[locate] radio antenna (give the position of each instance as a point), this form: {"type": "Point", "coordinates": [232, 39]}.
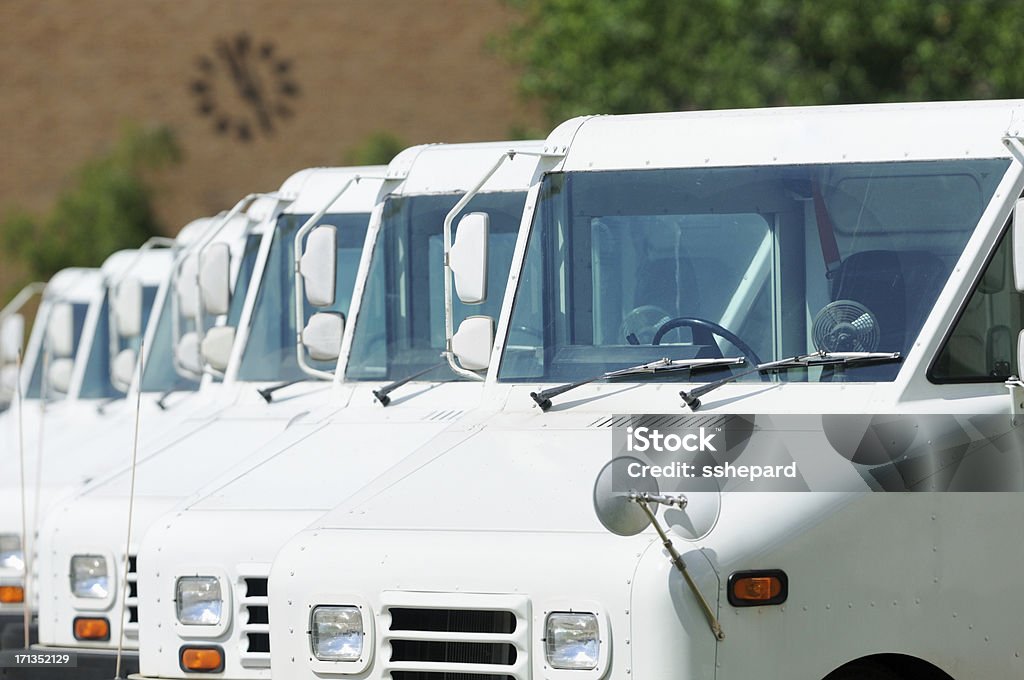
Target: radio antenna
{"type": "Point", "coordinates": [25, 601]}
{"type": "Point", "coordinates": [131, 508]}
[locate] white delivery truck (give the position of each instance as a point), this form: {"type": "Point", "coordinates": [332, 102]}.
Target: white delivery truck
{"type": "Point", "coordinates": [203, 567]}
{"type": "Point", "coordinates": [90, 381]}
{"type": "Point", "coordinates": [72, 289]}
{"type": "Point", "coordinates": [87, 533]}
{"type": "Point", "coordinates": [837, 283]}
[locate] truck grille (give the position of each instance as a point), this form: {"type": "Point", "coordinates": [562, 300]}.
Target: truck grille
{"type": "Point", "coordinates": [254, 644]}
{"type": "Point", "coordinates": [131, 616]}
{"type": "Point", "coordinates": [467, 637]}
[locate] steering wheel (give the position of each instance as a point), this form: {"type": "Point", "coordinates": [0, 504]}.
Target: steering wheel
{"type": "Point", "coordinates": [707, 328]}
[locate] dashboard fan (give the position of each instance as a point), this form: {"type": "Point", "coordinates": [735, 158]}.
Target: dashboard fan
{"type": "Point", "coordinates": [846, 326]}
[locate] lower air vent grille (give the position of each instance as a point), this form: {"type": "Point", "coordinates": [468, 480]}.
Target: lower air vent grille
{"type": "Point", "coordinates": [255, 620]}
{"type": "Point", "coordinates": [432, 636]}
{"type": "Point", "coordinates": [131, 621]}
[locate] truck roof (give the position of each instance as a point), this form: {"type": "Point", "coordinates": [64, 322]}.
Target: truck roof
{"type": "Point", "coordinates": [150, 267]}
{"type": "Point", "coordinates": [74, 284]}
{"type": "Point", "coordinates": [790, 135]}
{"type": "Point", "coordinates": [449, 168]}
{"type": "Point", "coordinates": [311, 187]}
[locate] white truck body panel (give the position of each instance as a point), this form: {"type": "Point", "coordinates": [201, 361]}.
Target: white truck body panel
{"type": "Point", "coordinates": [496, 512]}
{"type": "Point", "coordinates": [314, 463]}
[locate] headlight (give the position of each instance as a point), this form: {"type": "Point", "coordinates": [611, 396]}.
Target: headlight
{"type": "Point", "coordinates": [572, 641]}
{"type": "Point", "coordinates": [199, 600]}
{"type": "Point", "coordinates": [89, 577]}
{"type": "Point", "coordinates": [11, 556]}
{"type": "Point", "coordinates": [337, 633]}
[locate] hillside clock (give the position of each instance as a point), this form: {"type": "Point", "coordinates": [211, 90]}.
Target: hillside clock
{"type": "Point", "coordinates": [244, 88]}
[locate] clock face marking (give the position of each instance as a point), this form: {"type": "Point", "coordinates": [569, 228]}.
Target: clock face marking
{"type": "Point", "coordinates": [244, 88]}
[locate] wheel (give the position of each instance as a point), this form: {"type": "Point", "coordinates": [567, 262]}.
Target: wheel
{"type": "Point", "coordinates": [709, 327]}
{"type": "Point", "coordinates": [864, 670]}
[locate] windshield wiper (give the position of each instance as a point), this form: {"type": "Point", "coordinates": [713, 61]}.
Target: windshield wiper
{"type": "Point", "coordinates": [666, 365]}
{"type": "Point", "coordinates": [178, 386]}
{"type": "Point", "coordinates": [382, 393]}
{"type": "Point", "coordinates": [101, 408]}
{"type": "Point", "coordinates": [820, 358]}
{"type": "Point", "coordinates": [268, 392]}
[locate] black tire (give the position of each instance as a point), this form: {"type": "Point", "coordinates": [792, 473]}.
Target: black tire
{"type": "Point", "coordinates": [864, 670]}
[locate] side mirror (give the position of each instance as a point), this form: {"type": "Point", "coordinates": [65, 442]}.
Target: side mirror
{"type": "Point", "coordinates": [187, 287]}
{"type": "Point", "coordinates": [8, 383]}
{"type": "Point", "coordinates": [1020, 352]}
{"type": "Point", "coordinates": [322, 335]}
{"type": "Point", "coordinates": [122, 369]}
{"type": "Point", "coordinates": [215, 278]}
{"type": "Point", "coordinates": [12, 336]}
{"type": "Point", "coordinates": [473, 342]}
{"type": "Point", "coordinates": [1018, 245]}
{"type": "Point", "coordinates": [319, 266]}
{"type": "Point", "coordinates": [468, 258]}
{"type": "Point", "coordinates": [127, 304]}
{"type": "Point", "coordinates": [60, 331]}
{"type": "Point", "coordinates": [187, 353]}
{"type": "Point", "coordinates": [59, 375]}
{"type": "Point", "coordinates": [216, 347]}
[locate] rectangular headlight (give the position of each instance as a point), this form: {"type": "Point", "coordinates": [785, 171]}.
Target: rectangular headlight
{"type": "Point", "coordinates": [198, 600]}
{"type": "Point", "coordinates": [89, 578]}
{"type": "Point", "coordinates": [337, 633]}
{"type": "Point", "coordinates": [11, 556]}
{"type": "Point", "coordinates": [571, 641]}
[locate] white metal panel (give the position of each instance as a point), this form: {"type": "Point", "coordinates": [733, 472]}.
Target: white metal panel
{"type": "Point", "coordinates": [783, 136]}
{"type": "Point", "coordinates": [448, 168]}
{"type": "Point", "coordinates": [320, 184]}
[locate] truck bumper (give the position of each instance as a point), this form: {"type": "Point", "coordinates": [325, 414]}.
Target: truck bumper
{"type": "Point", "coordinates": [93, 664]}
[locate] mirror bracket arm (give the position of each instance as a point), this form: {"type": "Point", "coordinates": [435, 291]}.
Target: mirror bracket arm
{"type": "Point", "coordinates": [677, 560]}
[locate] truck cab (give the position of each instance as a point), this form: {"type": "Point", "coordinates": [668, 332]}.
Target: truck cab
{"type": "Point", "coordinates": [829, 287]}
{"type": "Point", "coordinates": [94, 612]}
{"type": "Point", "coordinates": [202, 569]}
{"type": "Point", "coordinates": [74, 363]}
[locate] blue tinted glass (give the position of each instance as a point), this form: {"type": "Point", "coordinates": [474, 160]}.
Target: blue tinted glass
{"type": "Point", "coordinates": [96, 382]}
{"type": "Point", "coordinates": [618, 261]}
{"type": "Point", "coordinates": [270, 352]}
{"type": "Point", "coordinates": [400, 329]}
{"type": "Point", "coordinates": [79, 310]}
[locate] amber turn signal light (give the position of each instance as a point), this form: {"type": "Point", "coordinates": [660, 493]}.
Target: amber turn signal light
{"type": "Point", "coordinates": [201, 659]}
{"type": "Point", "coordinates": [758, 588]}
{"type": "Point", "coordinates": [12, 594]}
{"type": "Point", "coordinates": [92, 629]}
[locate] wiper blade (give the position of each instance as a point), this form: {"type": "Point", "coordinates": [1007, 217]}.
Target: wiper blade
{"type": "Point", "coordinates": [382, 393]}
{"type": "Point", "coordinates": [820, 358]}
{"type": "Point", "coordinates": [101, 408]}
{"type": "Point", "coordinates": [268, 392]}
{"type": "Point", "coordinates": [666, 365]}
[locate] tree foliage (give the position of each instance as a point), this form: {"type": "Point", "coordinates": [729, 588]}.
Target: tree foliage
{"type": "Point", "coordinates": [377, 149]}
{"type": "Point", "coordinates": [107, 207]}
{"type": "Point", "coordinates": [628, 56]}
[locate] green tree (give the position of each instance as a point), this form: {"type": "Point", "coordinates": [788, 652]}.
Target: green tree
{"type": "Point", "coordinates": [377, 149]}
{"type": "Point", "coordinates": [628, 56]}
{"type": "Point", "coordinates": [108, 207]}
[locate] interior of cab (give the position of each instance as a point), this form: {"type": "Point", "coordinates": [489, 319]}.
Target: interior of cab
{"type": "Point", "coordinates": [626, 267]}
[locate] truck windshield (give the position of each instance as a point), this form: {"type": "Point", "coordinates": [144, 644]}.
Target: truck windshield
{"type": "Point", "coordinates": [400, 329]}
{"type": "Point", "coordinates": [96, 382]}
{"type": "Point", "coordinates": [782, 260]}
{"type": "Point", "coordinates": [269, 354]}
{"type": "Point", "coordinates": [159, 374]}
{"type": "Point", "coordinates": [79, 310]}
